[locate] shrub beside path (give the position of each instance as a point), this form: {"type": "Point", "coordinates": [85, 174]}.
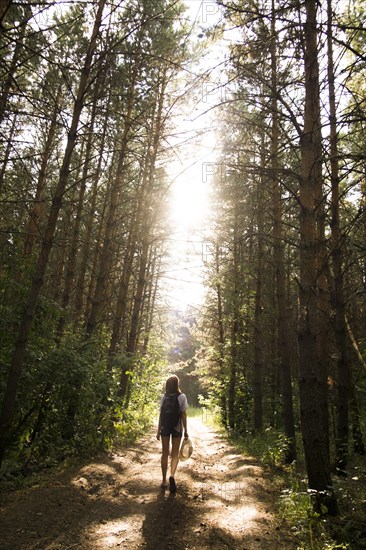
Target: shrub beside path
{"type": "Point", "coordinates": [224, 500]}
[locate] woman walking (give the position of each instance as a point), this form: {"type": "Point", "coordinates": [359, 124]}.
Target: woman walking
{"type": "Point", "coordinates": [172, 424]}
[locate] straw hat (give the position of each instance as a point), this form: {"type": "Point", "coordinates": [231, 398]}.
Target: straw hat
{"type": "Point", "coordinates": [186, 450]}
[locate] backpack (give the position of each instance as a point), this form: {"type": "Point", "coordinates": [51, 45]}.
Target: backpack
{"type": "Point", "coordinates": [170, 411]}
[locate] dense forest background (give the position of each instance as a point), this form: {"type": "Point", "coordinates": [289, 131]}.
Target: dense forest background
{"type": "Point", "coordinates": [89, 96]}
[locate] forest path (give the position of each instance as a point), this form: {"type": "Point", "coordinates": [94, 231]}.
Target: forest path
{"type": "Point", "coordinates": [223, 501]}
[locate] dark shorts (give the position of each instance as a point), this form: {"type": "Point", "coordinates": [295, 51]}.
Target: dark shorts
{"type": "Point", "coordinates": [166, 432]}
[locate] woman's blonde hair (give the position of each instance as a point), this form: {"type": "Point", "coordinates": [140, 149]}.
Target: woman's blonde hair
{"type": "Point", "coordinates": [172, 385]}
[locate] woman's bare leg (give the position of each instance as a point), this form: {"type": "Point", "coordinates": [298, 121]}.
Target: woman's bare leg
{"type": "Point", "coordinates": [175, 451]}
{"type": "Point", "coordinates": [164, 457]}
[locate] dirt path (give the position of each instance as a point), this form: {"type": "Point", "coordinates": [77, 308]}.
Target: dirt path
{"type": "Point", "coordinates": [223, 501]}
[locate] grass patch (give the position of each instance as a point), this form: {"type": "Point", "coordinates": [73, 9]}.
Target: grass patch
{"type": "Point", "coordinates": [194, 412]}
{"type": "Point", "coordinates": [209, 416]}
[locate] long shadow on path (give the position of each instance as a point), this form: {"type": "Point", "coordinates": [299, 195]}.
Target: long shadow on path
{"type": "Point", "coordinates": [116, 502]}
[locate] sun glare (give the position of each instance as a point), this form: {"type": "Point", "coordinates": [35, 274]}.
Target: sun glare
{"type": "Point", "coordinates": [192, 170]}
{"type": "Point", "coordinates": [192, 178]}
{"type": "Point", "coordinates": [190, 203]}
{"type": "Point", "coordinates": [189, 219]}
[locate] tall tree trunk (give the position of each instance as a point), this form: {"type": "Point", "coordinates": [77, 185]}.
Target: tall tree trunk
{"type": "Point", "coordinates": [129, 256]}
{"type": "Point", "coordinates": [221, 340]}
{"type": "Point", "coordinates": [80, 294]}
{"type": "Point", "coordinates": [148, 181]}
{"type": "Point", "coordinates": [258, 332]}
{"type": "Point", "coordinates": [63, 237]}
{"type": "Point", "coordinates": [358, 443]}
{"type": "Point", "coordinates": [279, 259]}
{"type": "Point", "coordinates": [151, 299]}
{"type": "Point", "coordinates": [5, 160]}
{"type": "Point", "coordinates": [8, 407]}
{"type": "Point", "coordinates": [98, 245]}
{"type": "Point", "coordinates": [120, 314]}
{"type": "Point", "coordinates": [313, 394]}
{"type": "Point", "coordinates": [4, 163]}
{"type": "Point", "coordinates": [115, 191]}
{"type": "Point", "coordinates": [138, 298]}
{"type": "Point", "coordinates": [35, 216]}
{"type": "Point", "coordinates": [136, 311]}
{"type": "Point", "coordinates": [71, 264]}
{"type": "Point", "coordinates": [274, 372]}
{"type": "Point", "coordinates": [234, 336]}
{"type": "Point", "coordinates": [7, 85]}
{"type": "Point", "coordinates": [338, 294]}
{"type": "Point", "coordinates": [149, 281]}
{"type": "Point", "coordinates": [68, 426]}
{"type": "Point", "coordinates": [115, 194]}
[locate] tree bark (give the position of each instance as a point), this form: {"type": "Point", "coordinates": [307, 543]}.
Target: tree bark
{"type": "Point", "coordinates": [136, 311]}
{"type": "Point", "coordinates": [258, 332]}
{"type": "Point", "coordinates": [235, 323]}
{"type": "Point", "coordinates": [279, 260]}
{"type": "Point", "coordinates": [340, 327]}
{"type": "Point", "coordinates": [221, 340]}
{"type": "Point", "coordinates": [313, 394]}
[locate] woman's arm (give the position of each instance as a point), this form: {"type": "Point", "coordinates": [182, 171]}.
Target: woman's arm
{"type": "Point", "coordinates": [184, 420]}
{"type": "Point", "coordinates": [158, 432]}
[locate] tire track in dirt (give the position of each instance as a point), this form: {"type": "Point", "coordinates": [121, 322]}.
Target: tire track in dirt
{"type": "Point", "coordinates": [223, 501]}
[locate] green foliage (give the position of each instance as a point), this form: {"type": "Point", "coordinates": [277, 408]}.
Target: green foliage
{"type": "Point", "coordinates": [210, 411]}
{"type": "Point", "coordinates": [243, 406]}
{"type": "Point", "coordinates": [296, 507]}
{"type": "Point", "coordinates": [146, 379]}
{"type": "Point", "coordinates": [70, 406]}
{"type": "Point", "coordinates": [351, 494]}
{"type": "Point", "coordinates": [270, 446]}
{"type": "Point", "coordinates": [313, 530]}
{"type": "Point", "coordinates": [317, 532]}
{"type": "Point", "coordinates": [277, 449]}
{"type": "Point", "coordinates": [67, 398]}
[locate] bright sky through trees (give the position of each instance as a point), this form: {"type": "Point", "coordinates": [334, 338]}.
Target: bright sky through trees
{"type": "Point", "coordinates": [192, 168]}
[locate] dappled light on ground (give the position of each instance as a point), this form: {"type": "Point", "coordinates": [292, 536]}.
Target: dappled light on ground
{"type": "Point", "coordinates": [112, 534]}
{"type": "Point", "coordinates": [223, 501]}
